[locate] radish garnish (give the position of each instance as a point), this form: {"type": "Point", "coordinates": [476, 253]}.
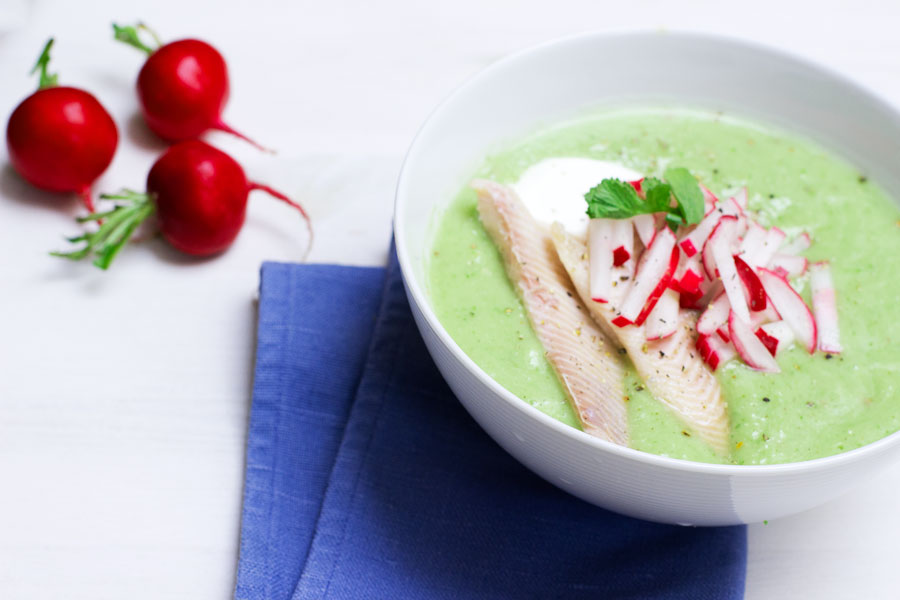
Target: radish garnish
{"type": "Point", "coordinates": [755, 293]}
{"type": "Point", "coordinates": [825, 307]}
{"type": "Point", "coordinates": [600, 242]}
{"type": "Point", "coordinates": [720, 243]}
{"type": "Point", "coordinates": [715, 315]}
{"type": "Point", "coordinates": [645, 226]}
{"type": "Point", "coordinates": [791, 307]}
{"type": "Point", "coordinates": [709, 199]}
{"type": "Point", "coordinates": [741, 198]}
{"type": "Point", "coordinates": [688, 276]}
{"type": "Point", "coordinates": [789, 265]}
{"type": "Point", "coordinates": [723, 334]}
{"type": "Point", "coordinates": [776, 336]}
{"type": "Point", "coordinates": [774, 238]}
{"type": "Point", "coordinates": [622, 241]}
{"type": "Point", "coordinates": [749, 347]}
{"type": "Point", "coordinates": [657, 265]}
{"type": "Point", "coordinates": [751, 244]}
{"type": "Point", "coordinates": [797, 245]}
{"type": "Point", "coordinates": [636, 184]}
{"type": "Point", "coordinates": [715, 351]}
{"type": "Point", "coordinates": [663, 319]}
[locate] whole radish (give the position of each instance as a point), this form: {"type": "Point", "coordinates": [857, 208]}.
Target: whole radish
{"type": "Point", "coordinates": [199, 195]}
{"type": "Point", "coordinates": [60, 139]}
{"type": "Point", "coordinates": [182, 87]}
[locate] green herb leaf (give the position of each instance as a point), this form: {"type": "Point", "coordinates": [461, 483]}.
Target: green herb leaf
{"type": "Point", "coordinates": [687, 194]}
{"type": "Point", "coordinates": [658, 194]}
{"type": "Point", "coordinates": [47, 79]}
{"type": "Point", "coordinates": [614, 199]}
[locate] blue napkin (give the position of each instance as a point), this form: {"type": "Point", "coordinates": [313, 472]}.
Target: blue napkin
{"type": "Point", "coordinates": [367, 479]}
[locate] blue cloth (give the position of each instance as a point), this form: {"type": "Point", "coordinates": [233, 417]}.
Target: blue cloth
{"type": "Point", "coordinates": [367, 479]}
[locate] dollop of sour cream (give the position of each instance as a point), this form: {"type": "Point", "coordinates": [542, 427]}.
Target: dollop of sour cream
{"type": "Point", "coordinates": [554, 188]}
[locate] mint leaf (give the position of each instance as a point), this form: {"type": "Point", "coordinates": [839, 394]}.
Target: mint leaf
{"type": "Point", "coordinates": [614, 199]}
{"type": "Point", "coordinates": [687, 194]}
{"type": "Point", "coordinates": [658, 194]}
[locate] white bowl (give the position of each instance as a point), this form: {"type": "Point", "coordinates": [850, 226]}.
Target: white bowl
{"type": "Point", "coordinates": [553, 81]}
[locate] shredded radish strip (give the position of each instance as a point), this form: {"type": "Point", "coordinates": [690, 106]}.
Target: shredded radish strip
{"type": "Point", "coordinates": [799, 244]}
{"type": "Point", "coordinates": [715, 351]}
{"type": "Point", "coordinates": [825, 307]}
{"type": "Point", "coordinates": [791, 307]}
{"type": "Point", "coordinates": [789, 264]}
{"type": "Point", "coordinates": [600, 234]}
{"type": "Point", "coordinates": [752, 244]}
{"type": "Point", "coordinates": [721, 240]}
{"type": "Point", "coordinates": [651, 274]}
{"type": "Point", "coordinates": [663, 319]}
{"type": "Point", "coordinates": [774, 238]}
{"type": "Point", "coordinates": [645, 226]}
{"type": "Point", "coordinates": [715, 315]}
{"type": "Point", "coordinates": [778, 333]}
{"type": "Point", "coordinates": [749, 347]}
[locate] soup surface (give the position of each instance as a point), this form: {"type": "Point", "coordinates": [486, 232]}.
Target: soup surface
{"type": "Point", "coordinates": [819, 404]}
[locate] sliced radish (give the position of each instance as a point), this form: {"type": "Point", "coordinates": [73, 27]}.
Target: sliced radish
{"type": "Point", "coordinates": [769, 315]}
{"type": "Point", "coordinates": [825, 306]}
{"type": "Point", "coordinates": [774, 238]}
{"type": "Point", "coordinates": [622, 241]}
{"type": "Point", "coordinates": [657, 265]}
{"type": "Point", "coordinates": [714, 351]}
{"type": "Point", "coordinates": [709, 199]}
{"type": "Point", "coordinates": [721, 242]}
{"type": "Point", "coordinates": [645, 226]}
{"type": "Point", "coordinates": [797, 245]}
{"type": "Point", "coordinates": [791, 307]}
{"type": "Point", "coordinates": [663, 319]}
{"type": "Point", "coordinates": [789, 265]}
{"type": "Point", "coordinates": [756, 295]}
{"type": "Point", "coordinates": [723, 334]}
{"type": "Point", "coordinates": [776, 336]}
{"type": "Point", "coordinates": [690, 301]}
{"type": "Point", "coordinates": [749, 347]}
{"type": "Point", "coordinates": [636, 184]}
{"type": "Point", "coordinates": [715, 315]}
{"type": "Point", "coordinates": [751, 244]}
{"type": "Point", "coordinates": [600, 247]}
{"type": "Point", "coordinates": [688, 275]}
{"type": "Point", "coordinates": [742, 198]}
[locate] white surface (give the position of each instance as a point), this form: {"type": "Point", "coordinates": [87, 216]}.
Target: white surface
{"type": "Point", "coordinates": [124, 396]}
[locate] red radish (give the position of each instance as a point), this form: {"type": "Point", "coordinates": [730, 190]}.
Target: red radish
{"type": "Point", "coordinates": [752, 243]}
{"type": "Point", "coordinates": [182, 87]}
{"type": "Point", "coordinates": [709, 199]}
{"type": "Point", "coordinates": [774, 238]}
{"type": "Point", "coordinates": [723, 334]}
{"type": "Point", "coordinates": [769, 315]}
{"type": "Point", "coordinates": [690, 301]}
{"type": "Point", "coordinates": [752, 284]}
{"type": "Point", "coordinates": [776, 336]}
{"type": "Point", "coordinates": [825, 307]}
{"type": "Point", "coordinates": [636, 184]}
{"type": "Point", "coordinates": [600, 260]}
{"type": "Point", "coordinates": [791, 307]}
{"type": "Point", "coordinates": [623, 241]}
{"type": "Point", "coordinates": [749, 347]}
{"type": "Point", "coordinates": [663, 319]}
{"type": "Point", "coordinates": [797, 245]}
{"type": "Point", "coordinates": [653, 275]}
{"type": "Point", "coordinates": [789, 265]}
{"type": "Point", "coordinates": [199, 194]}
{"type": "Point", "coordinates": [645, 226]}
{"type": "Point", "coordinates": [696, 239]}
{"type": "Point", "coordinates": [721, 242]}
{"type": "Point", "coordinates": [741, 198]}
{"type": "Point", "coordinates": [714, 351]}
{"type": "Point", "coordinates": [60, 139]}
{"type": "Point", "coordinates": [688, 275]}
{"type": "Point", "coordinates": [715, 315]}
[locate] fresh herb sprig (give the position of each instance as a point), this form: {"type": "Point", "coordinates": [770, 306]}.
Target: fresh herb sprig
{"type": "Point", "coordinates": [617, 199]}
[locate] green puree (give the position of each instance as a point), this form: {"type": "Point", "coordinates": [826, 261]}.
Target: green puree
{"type": "Point", "coordinates": [818, 405]}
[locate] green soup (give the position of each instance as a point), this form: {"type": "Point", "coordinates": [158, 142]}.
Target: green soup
{"type": "Point", "coordinates": [819, 404]}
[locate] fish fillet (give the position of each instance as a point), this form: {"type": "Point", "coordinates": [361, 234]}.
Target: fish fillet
{"type": "Point", "coordinates": [582, 356]}
{"type": "Point", "coordinates": [672, 368]}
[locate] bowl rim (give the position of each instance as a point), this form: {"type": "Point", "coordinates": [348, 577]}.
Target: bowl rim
{"type": "Point", "coordinates": [420, 298]}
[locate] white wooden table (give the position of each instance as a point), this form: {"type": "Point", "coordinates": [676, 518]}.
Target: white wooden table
{"type": "Point", "coordinates": [124, 395]}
